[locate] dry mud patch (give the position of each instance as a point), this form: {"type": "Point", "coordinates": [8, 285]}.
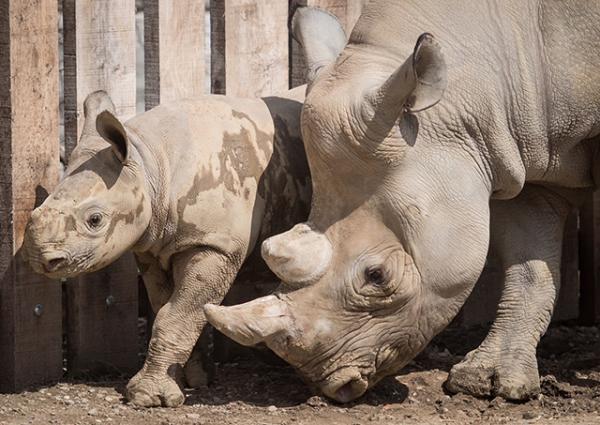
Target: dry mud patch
{"type": "Point", "coordinates": [252, 392]}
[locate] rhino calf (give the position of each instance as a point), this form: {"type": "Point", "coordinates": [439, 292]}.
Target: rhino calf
{"type": "Point", "coordinates": [189, 187]}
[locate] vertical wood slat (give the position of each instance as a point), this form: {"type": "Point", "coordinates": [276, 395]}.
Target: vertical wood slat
{"type": "Point", "coordinates": [567, 305]}
{"type": "Point", "coordinates": [30, 343]}
{"type": "Point", "coordinates": [173, 49]}
{"type": "Point", "coordinates": [249, 47]}
{"type": "Point", "coordinates": [347, 12]}
{"type": "Point", "coordinates": [99, 49]}
{"type": "Point", "coordinates": [589, 260]}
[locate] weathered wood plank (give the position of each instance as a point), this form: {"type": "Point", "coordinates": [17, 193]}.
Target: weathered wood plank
{"type": "Point", "coordinates": [589, 260]}
{"type": "Point", "coordinates": [102, 320]}
{"type": "Point", "coordinates": [100, 54]}
{"type": "Point", "coordinates": [347, 12]}
{"type": "Point", "coordinates": [30, 343]}
{"type": "Point", "coordinates": [173, 49]}
{"type": "Point", "coordinates": [250, 48]}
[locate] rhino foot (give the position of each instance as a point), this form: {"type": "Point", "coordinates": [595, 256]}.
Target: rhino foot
{"type": "Point", "coordinates": [483, 375]}
{"type": "Point", "coordinates": [195, 376]}
{"type": "Point", "coordinates": [146, 391]}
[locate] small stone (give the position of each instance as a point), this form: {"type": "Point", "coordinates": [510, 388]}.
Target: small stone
{"type": "Point", "coordinates": [412, 400]}
{"type": "Point", "coordinates": [530, 416]}
{"type": "Point", "coordinates": [316, 401]}
{"type": "Point", "coordinates": [272, 408]}
{"type": "Point", "coordinates": [193, 416]}
{"type": "Point", "coordinates": [109, 399]}
{"type": "Point", "coordinates": [92, 412]}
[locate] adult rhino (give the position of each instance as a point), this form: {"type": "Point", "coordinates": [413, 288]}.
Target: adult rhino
{"type": "Point", "coordinates": [191, 188]}
{"type": "Point", "coordinates": [408, 146]}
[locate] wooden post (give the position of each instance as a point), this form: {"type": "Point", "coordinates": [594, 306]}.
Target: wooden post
{"type": "Point", "coordinates": [347, 12]}
{"type": "Point", "coordinates": [589, 260]}
{"type": "Point", "coordinates": [173, 49]}
{"type": "Point", "coordinates": [249, 47]}
{"type": "Point", "coordinates": [99, 46]}
{"type": "Point", "coordinates": [30, 305]}
{"type": "Point", "coordinates": [567, 304]}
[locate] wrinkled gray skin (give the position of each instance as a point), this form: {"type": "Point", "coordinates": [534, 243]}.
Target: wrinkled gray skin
{"type": "Point", "coordinates": [410, 140]}
{"type": "Point", "coordinates": [191, 187]}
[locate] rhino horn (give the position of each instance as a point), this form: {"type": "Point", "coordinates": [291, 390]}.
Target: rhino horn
{"type": "Point", "coordinates": [253, 322]}
{"type": "Point", "coordinates": [299, 256]}
{"type": "Point", "coordinates": [418, 84]}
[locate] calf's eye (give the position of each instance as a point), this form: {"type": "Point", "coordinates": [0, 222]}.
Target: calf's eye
{"type": "Point", "coordinates": [375, 275]}
{"type": "Point", "coordinates": [94, 220]}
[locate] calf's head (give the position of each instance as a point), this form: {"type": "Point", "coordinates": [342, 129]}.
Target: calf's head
{"type": "Point", "coordinates": [398, 230]}
{"type": "Point", "coordinates": [101, 207]}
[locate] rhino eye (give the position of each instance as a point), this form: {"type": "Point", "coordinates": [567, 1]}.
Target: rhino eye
{"type": "Point", "coordinates": [94, 221]}
{"type": "Point", "coordinates": [375, 275]}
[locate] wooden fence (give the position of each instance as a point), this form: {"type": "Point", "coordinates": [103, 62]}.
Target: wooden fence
{"type": "Point", "coordinates": [93, 320]}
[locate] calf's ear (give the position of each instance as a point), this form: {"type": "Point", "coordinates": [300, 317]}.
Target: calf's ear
{"type": "Point", "coordinates": [321, 37]}
{"type": "Point", "coordinates": [110, 129]}
{"type": "Point", "coordinates": [93, 104]}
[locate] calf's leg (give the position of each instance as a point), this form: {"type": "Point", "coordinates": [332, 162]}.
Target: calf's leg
{"type": "Point", "coordinates": [200, 275]}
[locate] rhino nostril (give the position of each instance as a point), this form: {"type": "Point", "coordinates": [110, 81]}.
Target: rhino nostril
{"type": "Point", "coordinates": [54, 263]}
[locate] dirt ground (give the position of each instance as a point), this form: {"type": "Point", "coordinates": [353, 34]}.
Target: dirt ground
{"type": "Point", "coordinates": [251, 392]}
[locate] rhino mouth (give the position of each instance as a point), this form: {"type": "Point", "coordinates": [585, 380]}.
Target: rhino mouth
{"type": "Point", "coordinates": [55, 264]}
{"type": "Point", "coordinates": [345, 385]}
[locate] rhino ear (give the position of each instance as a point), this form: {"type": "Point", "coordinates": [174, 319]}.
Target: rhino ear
{"type": "Point", "coordinates": [416, 85]}
{"type": "Point", "coordinates": [430, 74]}
{"type": "Point", "coordinates": [110, 129]}
{"type": "Point", "coordinates": [321, 37]}
{"type": "Point", "coordinates": [95, 103]}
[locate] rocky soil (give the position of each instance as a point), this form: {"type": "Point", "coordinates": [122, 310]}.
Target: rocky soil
{"type": "Point", "coordinates": [251, 392]}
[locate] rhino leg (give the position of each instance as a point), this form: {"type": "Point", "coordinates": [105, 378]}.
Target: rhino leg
{"type": "Point", "coordinates": [157, 282]}
{"type": "Point", "coordinates": [199, 370]}
{"type": "Point", "coordinates": [527, 236]}
{"type": "Point", "coordinates": [200, 276]}
{"type": "Point", "coordinates": [160, 288]}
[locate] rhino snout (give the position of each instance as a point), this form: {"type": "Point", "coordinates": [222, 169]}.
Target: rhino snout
{"type": "Point", "coordinates": [345, 385]}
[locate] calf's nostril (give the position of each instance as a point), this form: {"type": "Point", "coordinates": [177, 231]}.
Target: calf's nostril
{"type": "Point", "coordinates": [54, 263]}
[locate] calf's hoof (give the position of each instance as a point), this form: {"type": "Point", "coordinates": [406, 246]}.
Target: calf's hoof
{"type": "Point", "coordinates": [481, 375]}
{"type": "Point", "coordinates": [145, 391]}
{"type": "Point", "coordinates": [195, 376]}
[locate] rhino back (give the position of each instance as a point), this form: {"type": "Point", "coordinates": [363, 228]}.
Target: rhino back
{"type": "Point", "coordinates": [522, 71]}
{"type": "Point", "coordinates": [211, 156]}
{"type": "Point", "coordinates": [215, 158]}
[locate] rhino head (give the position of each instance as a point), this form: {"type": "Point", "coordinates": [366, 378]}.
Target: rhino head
{"type": "Point", "coordinates": [398, 230]}
{"type": "Point", "coordinates": [102, 206]}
